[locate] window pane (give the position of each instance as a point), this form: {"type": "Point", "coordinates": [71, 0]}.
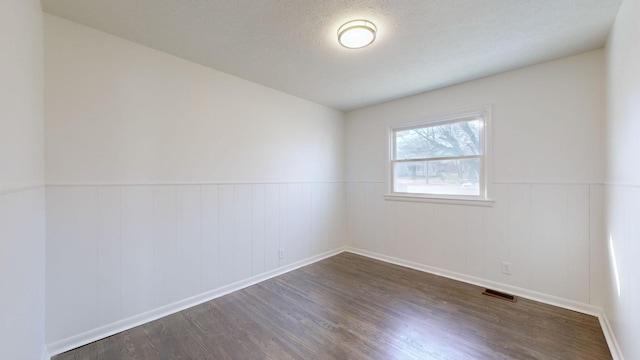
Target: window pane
{"type": "Point", "coordinates": [446, 140]}
{"type": "Point", "coordinates": [443, 177]}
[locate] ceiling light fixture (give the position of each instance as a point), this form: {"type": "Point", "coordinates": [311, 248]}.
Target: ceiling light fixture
{"type": "Point", "coordinates": [357, 34]}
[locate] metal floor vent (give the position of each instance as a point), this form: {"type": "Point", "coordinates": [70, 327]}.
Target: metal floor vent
{"type": "Point", "coordinates": [499, 295]}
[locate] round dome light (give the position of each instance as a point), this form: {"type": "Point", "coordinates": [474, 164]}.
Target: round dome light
{"type": "Point", "coordinates": [356, 34]}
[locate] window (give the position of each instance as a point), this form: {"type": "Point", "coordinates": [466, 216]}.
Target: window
{"type": "Point", "coordinates": [442, 158]}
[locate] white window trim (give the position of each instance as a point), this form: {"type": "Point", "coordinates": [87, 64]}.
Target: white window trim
{"type": "Point", "coordinates": [483, 200]}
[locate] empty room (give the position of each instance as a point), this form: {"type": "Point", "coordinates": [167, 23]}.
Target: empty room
{"type": "Point", "coordinates": [292, 179]}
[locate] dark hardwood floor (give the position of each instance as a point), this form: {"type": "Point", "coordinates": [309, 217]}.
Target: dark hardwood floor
{"type": "Point", "coordinates": [352, 307]}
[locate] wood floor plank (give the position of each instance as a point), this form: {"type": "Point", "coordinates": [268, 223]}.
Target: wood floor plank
{"type": "Point", "coordinates": [353, 307]}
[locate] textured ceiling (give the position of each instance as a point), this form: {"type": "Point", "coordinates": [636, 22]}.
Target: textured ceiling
{"type": "Point", "coordinates": [290, 45]}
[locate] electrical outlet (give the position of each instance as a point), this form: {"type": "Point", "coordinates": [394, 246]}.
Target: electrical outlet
{"type": "Point", "coordinates": [281, 253]}
{"type": "Point", "coordinates": [506, 267]}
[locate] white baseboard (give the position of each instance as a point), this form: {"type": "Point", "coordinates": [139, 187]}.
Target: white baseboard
{"type": "Point", "coordinates": [102, 332]}
{"type": "Point", "coordinates": [608, 335]}
{"type": "Point", "coordinates": [528, 294]}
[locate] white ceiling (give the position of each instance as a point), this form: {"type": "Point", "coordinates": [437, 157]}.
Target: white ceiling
{"type": "Point", "coordinates": [290, 45]}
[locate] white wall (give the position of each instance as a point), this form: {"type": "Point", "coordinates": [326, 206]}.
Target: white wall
{"type": "Point", "coordinates": [547, 122]}
{"type": "Point", "coordinates": [621, 239]}
{"type": "Point", "coordinates": [142, 116]}
{"type": "Point", "coordinates": [167, 179]}
{"type": "Point", "coordinates": [547, 171]}
{"type": "Point", "coordinates": [22, 247]}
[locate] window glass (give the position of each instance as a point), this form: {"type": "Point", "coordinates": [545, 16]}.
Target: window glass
{"type": "Point", "coordinates": [442, 158]}
{"type": "Point", "coordinates": [441, 177]}
{"type": "Point", "coordinates": [446, 140]}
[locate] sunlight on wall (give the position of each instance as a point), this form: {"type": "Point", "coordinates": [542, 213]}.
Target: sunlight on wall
{"type": "Point", "coordinates": [614, 262]}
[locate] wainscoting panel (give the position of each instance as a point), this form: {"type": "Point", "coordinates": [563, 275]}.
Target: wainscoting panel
{"type": "Point", "coordinates": [165, 269]}
{"type": "Point", "coordinates": [118, 251]}
{"type": "Point", "coordinates": [271, 226]}
{"type": "Point", "coordinates": [496, 248]}
{"type": "Point", "coordinates": [226, 220]}
{"type": "Point", "coordinates": [189, 241]}
{"type": "Point", "coordinates": [72, 261]}
{"type": "Point", "coordinates": [543, 230]}
{"type": "Point", "coordinates": [477, 237]}
{"type": "Point", "coordinates": [137, 256]}
{"type": "Point", "coordinates": [240, 255]}
{"type": "Point", "coordinates": [210, 237]}
{"type": "Point", "coordinates": [109, 250]}
{"type": "Point", "coordinates": [293, 242]}
{"type": "Point", "coordinates": [578, 258]}
{"type": "Point", "coordinates": [549, 231]}
{"type": "Point", "coordinates": [22, 271]}
{"type": "Point", "coordinates": [598, 248]}
{"type": "Point", "coordinates": [519, 240]}
{"type": "Point", "coordinates": [258, 229]}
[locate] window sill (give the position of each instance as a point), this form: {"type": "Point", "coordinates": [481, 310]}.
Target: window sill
{"type": "Point", "coordinates": [437, 200]}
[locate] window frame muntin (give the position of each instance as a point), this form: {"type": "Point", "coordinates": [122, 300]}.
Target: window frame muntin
{"type": "Point", "coordinates": [484, 198]}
